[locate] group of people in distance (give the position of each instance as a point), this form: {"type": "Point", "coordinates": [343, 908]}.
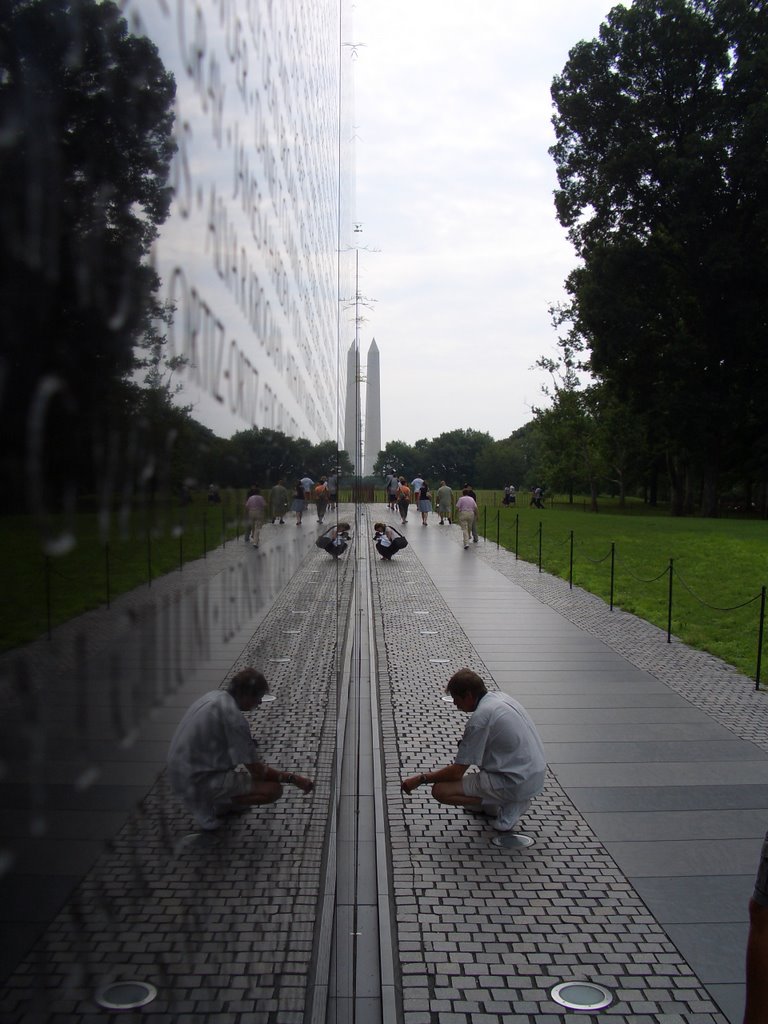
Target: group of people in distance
{"type": "Point", "coordinates": [399, 497]}
{"type": "Point", "coordinates": [400, 494]}
{"type": "Point", "coordinates": [324, 493]}
{"type": "Point", "coordinates": [215, 770]}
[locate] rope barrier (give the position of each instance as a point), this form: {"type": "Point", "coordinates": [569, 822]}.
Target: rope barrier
{"type": "Point", "coordinates": [654, 579]}
{"type": "Point", "coordinates": [714, 607]}
{"type": "Point", "coordinates": [598, 561]}
{"type": "Point", "coordinates": [669, 572]}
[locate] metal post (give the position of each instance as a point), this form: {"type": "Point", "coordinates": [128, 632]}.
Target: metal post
{"type": "Point", "coordinates": [106, 573]}
{"type": "Point", "coordinates": [570, 566]}
{"type": "Point", "coordinates": [517, 534]}
{"type": "Point", "coordinates": [149, 559]}
{"type": "Point", "coordinates": [760, 639]}
{"type": "Point", "coordinates": [613, 570]}
{"type": "Point", "coordinates": [223, 526]}
{"type": "Point", "coordinates": [498, 528]}
{"type": "Point", "coordinates": [205, 536]}
{"type": "Point", "coordinates": [541, 528]}
{"type": "Point", "coordinates": [181, 551]}
{"type": "Point", "coordinates": [485, 523]}
{"type": "Point", "coordinates": [669, 605]}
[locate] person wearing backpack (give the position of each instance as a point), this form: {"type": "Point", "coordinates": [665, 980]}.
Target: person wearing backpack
{"type": "Point", "coordinates": [388, 540]}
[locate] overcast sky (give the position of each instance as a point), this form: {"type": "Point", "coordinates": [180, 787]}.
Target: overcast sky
{"type": "Point", "coordinates": [454, 187]}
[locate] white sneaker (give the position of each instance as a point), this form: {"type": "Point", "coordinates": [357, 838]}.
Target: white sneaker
{"type": "Point", "coordinates": [509, 815]}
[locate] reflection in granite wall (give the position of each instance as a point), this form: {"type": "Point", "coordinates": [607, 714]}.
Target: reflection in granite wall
{"type": "Point", "coordinates": [175, 218]}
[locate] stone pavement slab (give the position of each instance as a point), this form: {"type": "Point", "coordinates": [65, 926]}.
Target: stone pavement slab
{"type": "Point", "coordinates": [105, 876]}
{"type": "Point", "coordinates": [645, 845]}
{"type": "Point", "coordinates": [653, 743]}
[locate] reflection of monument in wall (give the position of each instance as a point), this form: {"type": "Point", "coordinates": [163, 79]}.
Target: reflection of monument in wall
{"type": "Point", "coordinates": [372, 443]}
{"type": "Point", "coordinates": [363, 448]}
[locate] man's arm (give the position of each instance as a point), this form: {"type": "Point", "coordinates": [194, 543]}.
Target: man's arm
{"type": "Point", "coordinates": [451, 773]}
{"type": "Point", "coordinates": [261, 772]}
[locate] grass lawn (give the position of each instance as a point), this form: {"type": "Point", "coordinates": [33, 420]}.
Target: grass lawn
{"type": "Point", "coordinates": [719, 568]}
{"type": "Point", "coordinates": [42, 590]}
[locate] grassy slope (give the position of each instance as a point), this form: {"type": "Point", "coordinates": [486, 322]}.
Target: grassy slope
{"type": "Point", "coordinates": [718, 564]}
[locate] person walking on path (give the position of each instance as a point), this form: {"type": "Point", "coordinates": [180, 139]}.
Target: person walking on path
{"type": "Point", "coordinates": [299, 502]}
{"type": "Point", "coordinates": [321, 498]}
{"type": "Point", "coordinates": [473, 529]}
{"type": "Point", "coordinates": [307, 483]}
{"type": "Point", "coordinates": [536, 501]}
{"type": "Point", "coordinates": [403, 495]}
{"type": "Point", "coordinates": [333, 490]}
{"type": "Point", "coordinates": [278, 502]}
{"type": "Point", "coordinates": [466, 509]}
{"type": "Point", "coordinates": [444, 498]}
{"type": "Point", "coordinates": [416, 484]}
{"type": "Point", "coordinates": [256, 510]}
{"type": "Point", "coordinates": [388, 540]}
{"type": "Point", "coordinates": [425, 503]}
{"type": "Point", "coordinates": [501, 740]}
{"type": "Point", "coordinates": [213, 763]}
{"type": "Point", "coordinates": [391, 486]}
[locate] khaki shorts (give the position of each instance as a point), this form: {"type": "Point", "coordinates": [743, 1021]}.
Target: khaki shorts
{"type": "Point", "coordinates": [223, 786]}
{"type": "Point", "coordinates": [499, 789]}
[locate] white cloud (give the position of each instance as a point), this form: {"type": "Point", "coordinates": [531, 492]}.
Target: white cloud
{"type": "Point", "coordinates": [454, 186]}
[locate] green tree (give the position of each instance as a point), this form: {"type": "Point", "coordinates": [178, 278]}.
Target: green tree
{"type": "Point", "coordinates": [263, 456]}
{"type": "Point", "coordinates": [86, 117]}
{"type": "Point", "coordinates": [501, 463]}
{"type": "Point", "coordinates": [453, 456]}
{"type": "Point", "coordinates": [662, 138]}
{"type": "Point", "coordinates": [327, 458]}
{"type": "Point", "coordinates": [396, 457]}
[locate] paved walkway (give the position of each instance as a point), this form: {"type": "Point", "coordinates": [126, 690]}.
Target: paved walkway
{"type": "Point", "coordinates": [646, 837]}
{"type": "Point", "coordinates": [649, 831]}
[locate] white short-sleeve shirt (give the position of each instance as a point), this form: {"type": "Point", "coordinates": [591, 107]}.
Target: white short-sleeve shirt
{"type": "Point", "coordinates": [501, 738]}
{"type": "Point", "coordinates": [213, 737]}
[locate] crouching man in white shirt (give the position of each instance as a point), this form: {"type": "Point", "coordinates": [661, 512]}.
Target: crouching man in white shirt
{"type": "Point", "coordinates": [501, 739]}
{"type": "Point", "coordinates": [213, 764]}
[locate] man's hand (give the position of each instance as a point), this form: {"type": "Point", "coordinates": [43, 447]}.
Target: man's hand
{"type": "Point", "coordinates": [304, 784]}
{"type": "Point", "coordinates": [408, 785]}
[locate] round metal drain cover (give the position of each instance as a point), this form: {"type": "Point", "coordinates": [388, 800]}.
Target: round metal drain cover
{"type": "Point", "coordinates": [438, 661]}
{"type": "Point", "coordinates": [428, 632]}
{"type": "Point", "coordinates": [268, 698]}
{"type": "Point", "coordinates": [447, 699]}
{"type": "Point", "coordinates": [513, 841]}
{"type": "Point", "coordinates": [125, 995]}
{"type": "Point", "coordinates": [279, 661]}
{"type": "Point", "coordinates": [581, 995]}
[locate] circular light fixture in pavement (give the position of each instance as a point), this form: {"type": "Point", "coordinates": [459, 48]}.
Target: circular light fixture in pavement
{"type": "Point", "coordinates": [512, 841]}
{"type": "Point", "coordinates": [581, 995]}
{"type": "Point", "coordinates": [125, 995]}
